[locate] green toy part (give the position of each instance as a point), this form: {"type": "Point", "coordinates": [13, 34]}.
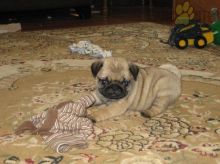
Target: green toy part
{"type": "Point", "coordinates": [215, 26]}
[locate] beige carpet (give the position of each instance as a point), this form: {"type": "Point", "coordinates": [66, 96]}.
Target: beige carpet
{"type": "Point", "coordinates": [38, 71]}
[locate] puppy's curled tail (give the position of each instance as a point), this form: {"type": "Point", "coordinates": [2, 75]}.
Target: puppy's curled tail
{"type": "Point", "coordinates": [172, 69]}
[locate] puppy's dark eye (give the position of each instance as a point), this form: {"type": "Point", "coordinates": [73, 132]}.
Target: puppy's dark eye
{"type": "Point", "coordinates": [104, 81]}
{"type": "Point", "coordinates": [125, 82]}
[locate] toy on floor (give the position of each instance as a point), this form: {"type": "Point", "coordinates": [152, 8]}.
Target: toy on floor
{"type": "Point", "coordinates": [194, 34]}
{"type": "Point", "coordinates": [87, 48]}
{"type": "Point", "coordinates": [63, 126]}
{"type": "Point", "coordinates": [215, 26]}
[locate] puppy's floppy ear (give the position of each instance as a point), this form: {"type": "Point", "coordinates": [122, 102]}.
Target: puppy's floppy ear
{"type": "Point", "coordinates": [134, 69]}
{"type": "Point", "coordinates": [95, 67]}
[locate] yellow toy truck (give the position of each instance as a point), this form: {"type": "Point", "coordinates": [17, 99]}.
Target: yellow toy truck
{"type": "Point", "coordinates": [194, 34]}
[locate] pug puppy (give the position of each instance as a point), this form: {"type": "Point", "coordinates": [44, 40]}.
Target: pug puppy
{"type": "Point", "coordinates": [124, 86]}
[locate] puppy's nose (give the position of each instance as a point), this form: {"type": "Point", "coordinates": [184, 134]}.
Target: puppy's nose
{"type": "Point", "coordinates": [115, 89]}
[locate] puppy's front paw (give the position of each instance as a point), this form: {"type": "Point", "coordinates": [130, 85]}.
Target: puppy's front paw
{"type": "Point", "coordinates": [97, 116]}
{"type": "Point", "coordinates": [147, 114]}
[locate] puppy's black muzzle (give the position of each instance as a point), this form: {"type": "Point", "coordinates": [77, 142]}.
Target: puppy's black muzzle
{"type": "Point", "coordinates": [114, 91]}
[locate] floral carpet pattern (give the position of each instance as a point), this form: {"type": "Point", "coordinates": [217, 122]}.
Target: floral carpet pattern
{"type": "Point", "coordinates": [37, 71]}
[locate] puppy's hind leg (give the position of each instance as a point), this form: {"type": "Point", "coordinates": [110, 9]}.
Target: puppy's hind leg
{"type": "Point", "coordinates": [159, 105]}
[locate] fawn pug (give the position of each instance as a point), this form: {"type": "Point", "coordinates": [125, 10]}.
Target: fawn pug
{"type": "Point", "coordinates": [124, 86]}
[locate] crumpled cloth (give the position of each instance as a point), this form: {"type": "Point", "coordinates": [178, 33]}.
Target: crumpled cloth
{"type": "Point", "coordinates": [87, 48]}
{"type": "Point", "coordinates": [69, 125]}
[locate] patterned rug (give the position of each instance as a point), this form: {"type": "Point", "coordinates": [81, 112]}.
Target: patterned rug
{"type": "Point", "coordinates": [37, 71]}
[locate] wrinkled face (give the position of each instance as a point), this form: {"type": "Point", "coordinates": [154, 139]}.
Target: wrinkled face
{"type": "Point", "coordinates": [114, 77]}
{"type": "Point", "coordinates": [113, 89]}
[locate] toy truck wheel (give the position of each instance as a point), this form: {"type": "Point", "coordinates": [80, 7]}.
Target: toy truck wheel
{"type": "Point", "coordinates": [181, 43]}
{"type": "Point", "coordinates": [200, 42]}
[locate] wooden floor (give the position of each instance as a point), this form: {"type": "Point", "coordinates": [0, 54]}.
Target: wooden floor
{"type": "Point", "coordinates": [116, 15]}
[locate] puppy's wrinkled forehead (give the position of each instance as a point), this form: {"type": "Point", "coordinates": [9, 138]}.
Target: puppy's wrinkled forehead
{"type": "Point", "coordinates": [116, 64]}
{"type": "Point", "coordinates": [115, 69]}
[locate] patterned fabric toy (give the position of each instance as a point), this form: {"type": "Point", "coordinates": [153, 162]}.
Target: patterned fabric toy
{"type": "Point", "coordinates": [63, 126]}
{"type": "Point", "coordinates": [87, 48]}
